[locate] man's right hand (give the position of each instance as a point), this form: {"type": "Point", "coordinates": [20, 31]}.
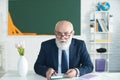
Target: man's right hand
{"type": "Point", "coordinates": [50, 73]}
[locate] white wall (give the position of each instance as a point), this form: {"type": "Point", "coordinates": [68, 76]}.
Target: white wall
{"type": "Point", "coordinates": [115, 49]}
{"type": "Point", "coordinates": [32, 43]}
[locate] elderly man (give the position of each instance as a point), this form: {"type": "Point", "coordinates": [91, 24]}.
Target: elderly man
{"type": "Point", "coordinates": [64, 54]}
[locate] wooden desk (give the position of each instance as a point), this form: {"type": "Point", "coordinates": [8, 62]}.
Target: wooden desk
{"type": "Point", "coordinates": [33, 76]}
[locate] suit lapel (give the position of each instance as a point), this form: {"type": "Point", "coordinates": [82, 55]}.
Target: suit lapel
{"type": "Point", "coordinates": [55, 57]}
{"type": "Point", "coordinates": [72, 52]}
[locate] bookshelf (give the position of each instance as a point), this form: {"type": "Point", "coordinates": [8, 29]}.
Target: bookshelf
{"type": "Point", "coordinates": [100, 40]}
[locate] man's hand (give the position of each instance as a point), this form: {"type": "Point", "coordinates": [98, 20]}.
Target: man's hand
{"type": "Point", "coordinates": [50, 72]}
{"type": "Point", "coordinates": [70, 73]}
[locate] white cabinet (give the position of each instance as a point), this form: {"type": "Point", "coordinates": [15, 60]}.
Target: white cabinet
{"type": "Point", "coordinates": [100, 40]}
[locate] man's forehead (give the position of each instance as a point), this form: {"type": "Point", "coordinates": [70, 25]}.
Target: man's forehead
{"type": "Point", "coordinates": [64, 27]}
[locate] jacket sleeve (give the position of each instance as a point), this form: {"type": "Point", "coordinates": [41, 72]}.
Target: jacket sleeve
{"type": "Point", "coordinates": [86, 64]}
{"type": "Point", "coordinates": [40, 64]}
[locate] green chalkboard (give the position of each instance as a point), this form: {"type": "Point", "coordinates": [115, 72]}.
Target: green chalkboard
{"type": "Point", "coordinates": [40, 16]}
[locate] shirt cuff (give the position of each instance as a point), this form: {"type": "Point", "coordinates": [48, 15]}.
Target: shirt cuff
{"type": "Point", "coordinates": [78, 72]}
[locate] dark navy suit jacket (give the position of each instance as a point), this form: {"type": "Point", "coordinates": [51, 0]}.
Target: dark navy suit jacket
{"type": "Point", "coordinates": [78, 57]}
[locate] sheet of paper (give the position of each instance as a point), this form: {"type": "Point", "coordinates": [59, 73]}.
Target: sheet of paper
{"type": "Point", "coordinates": [95, 77]}
{"type": "Point", "coordinates": [88, 77]}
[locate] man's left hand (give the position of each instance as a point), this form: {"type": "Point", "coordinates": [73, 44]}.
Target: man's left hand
{"type": "Point", "coordinates": [70, 73]}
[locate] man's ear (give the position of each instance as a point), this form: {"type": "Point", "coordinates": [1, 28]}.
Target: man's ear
{"type": "Point", "coordinates": [73, 32]}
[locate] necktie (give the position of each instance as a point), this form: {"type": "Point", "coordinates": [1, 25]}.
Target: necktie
{"type": "Point", "coordinates": [64, 63]}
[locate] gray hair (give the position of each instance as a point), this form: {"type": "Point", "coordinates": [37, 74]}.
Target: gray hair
{"type": "Point", "coordinates": [64, 21]}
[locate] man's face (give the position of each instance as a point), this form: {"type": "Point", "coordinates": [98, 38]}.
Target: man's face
{"type": "Point", "coordinates": [64, 33]}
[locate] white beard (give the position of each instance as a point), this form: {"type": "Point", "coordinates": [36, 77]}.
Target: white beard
{"type": "Point", "coordinates": [62, 44]}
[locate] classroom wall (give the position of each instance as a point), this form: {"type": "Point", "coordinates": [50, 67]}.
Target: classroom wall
{"type": "Point", "coordinates": [32, 43]}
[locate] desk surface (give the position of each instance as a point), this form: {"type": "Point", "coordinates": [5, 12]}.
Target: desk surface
{"type": "Point", "coordinates": [12, 75]}
{"type": "Point", "coordinates": [33, 76]}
